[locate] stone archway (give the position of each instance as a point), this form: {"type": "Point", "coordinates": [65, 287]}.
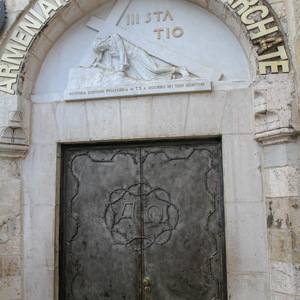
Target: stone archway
{"type": "Point", "coordinates": [273, 102]}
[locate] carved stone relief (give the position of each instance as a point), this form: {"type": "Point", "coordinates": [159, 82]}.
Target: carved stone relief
{"type": "Point", "coordinates": [117, 63]}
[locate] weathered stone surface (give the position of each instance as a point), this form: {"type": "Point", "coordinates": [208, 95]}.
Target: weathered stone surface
{"type": "Point", "coordinates": [280, 10]}
{"type": "Point", "coordinates": [39, 185]}
{"type": "Point", "coordinates": [30, 66]}
{"type": "Point", "coordinates": [11, 247]}
{"type": "Point", "coordinates": [44, 124]}
{"type": "Point", "coordinates": [92, 4]}
{"type": "Point", "coordinates": [1, 267]}
{"type": "Point", "coordinates": [6, 209]}
{"type": "Point", "coordinates": [104, 119]}
{"type": "Point", "coordinates": [71, 14]}
{"type": "Point", "coordinates": [204, 113]}
{"type": "Point", "coordinates": [281, 245]}
{"type": "Point", "coordinates": [283, 213]}
{"type": "Point", "coordinates": [25, 87]}
{"type": "Point", "coordinates": [15, 5]}
{"type": "Point", "coordinates": [136, 117]}
{"type": "Point", "coordinates": [12, 266]}
{"type": "Point", "coordinates": [35, 287]}
{"type": "Point", "coordinates": [39, 236]}
{"type": "Point", "coordinates": [218, 8]}
{"type": "Point", "coordinates": [282, 182]}
{"type": "Point", "coordinates": [296, 11]}
{"type": "Point", "coordinates": [71, 128]}
{"type": "Point", "coordinates": [297, 46]}
{"type": "Point", "coordinates": [3, 233]}
{"type": "Point", "coordinates": [248, 286]}
{"type": "Point", "coordinates": [237, 117]}
{"type": "Point", "coordinates": [296, 246]}
{"type": "Point", "coordinates": [39, 49]}
{"type": "Point", "coordinates": [10, 288]}
{"type": "Point", "coordinates": [245, 238]}
{"type": "Point", "coordinates": [10, 227]}
{"type": "Point", "coordinates": [55, 28]}
{"type": "Point", "coordinates": [281, 155]}
{"type": "Point", "coordinates": [202, 3]}
{"type": "Point", "coordinates": [278, 92]}
{"type": "Point", "coordinates": [168, 115]}
{"type": "Point", "coordinates": [9, 169]}
{"type": "Point", "coordinates": [242, 163]}
{"type": "Point", "coordinates": [285, 277]}
{"type": "Point", "coordinates": [14, 226]}
{"type": "Point", "coordinates": [277, 296]}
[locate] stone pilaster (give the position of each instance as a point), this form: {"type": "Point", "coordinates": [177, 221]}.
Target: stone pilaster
{"type": "Point", "coordinates": [13, 147]}
{"type": "Point", "coordinates": [10, 228]}
{"type": "Point", "coordinates": [282, 196]}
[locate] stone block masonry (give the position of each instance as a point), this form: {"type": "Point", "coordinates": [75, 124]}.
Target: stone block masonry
{"type": "Point", "coordinates": [10, 230]}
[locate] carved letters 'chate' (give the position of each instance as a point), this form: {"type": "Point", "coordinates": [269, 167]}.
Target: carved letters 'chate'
{"type": "Point", "coordinates": [265, 34]}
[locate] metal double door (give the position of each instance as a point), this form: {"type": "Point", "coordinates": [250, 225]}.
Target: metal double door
{"type": "Point", "coordinates": [142, 221]}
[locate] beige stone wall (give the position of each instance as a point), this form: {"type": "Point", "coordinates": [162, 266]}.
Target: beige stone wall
{"type": "Point", "coordinates": [281, 176]}
{"type": "Point", "coordinates": [11, 260]}
{"type": "Point", "coordinates": [281, 170]}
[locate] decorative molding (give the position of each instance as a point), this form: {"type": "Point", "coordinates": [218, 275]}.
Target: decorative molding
{"type": "Point", "coordinates": [12, 138]}
{"type": "Point", "coordinates": [276, 136]}
{"type": "Point", "coordinates": [14, 133]}
{"type": "Point", "coordinates": [13, 150]}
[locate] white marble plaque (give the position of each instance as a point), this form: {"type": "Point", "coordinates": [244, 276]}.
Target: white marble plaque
{"type": "Point", "coordinates": [136, 89]}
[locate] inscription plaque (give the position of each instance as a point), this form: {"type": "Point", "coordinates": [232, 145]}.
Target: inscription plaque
{"type": "Point", "coordinates": [143, 88]}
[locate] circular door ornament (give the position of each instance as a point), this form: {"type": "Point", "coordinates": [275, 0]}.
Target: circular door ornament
{"type": "Point", "coordinates": [2, 14]}
{"type": "Point", "coordinates": [141, 216]}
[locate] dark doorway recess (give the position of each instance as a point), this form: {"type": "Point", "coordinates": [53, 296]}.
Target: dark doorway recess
{"type": "Point", "coordinates": [142, 221]}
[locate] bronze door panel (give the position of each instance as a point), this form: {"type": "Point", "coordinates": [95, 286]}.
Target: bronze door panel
{"type": "Point", "coordinates": [142, 221]}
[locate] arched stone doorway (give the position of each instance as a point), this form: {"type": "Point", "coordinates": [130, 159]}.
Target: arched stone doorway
{"type": "Point", "coordinates": [232, 111]}
{"type": "Point", "coordinates": [224, 111]}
